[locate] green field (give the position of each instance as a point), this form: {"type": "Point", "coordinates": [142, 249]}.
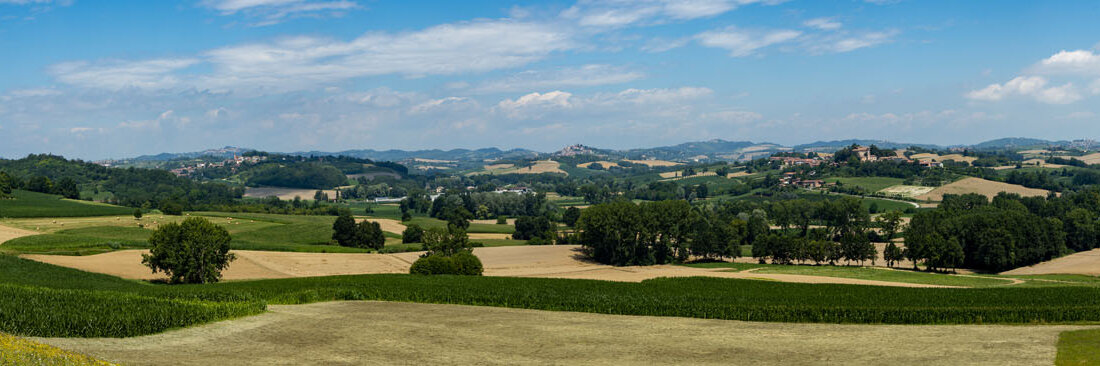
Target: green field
{"type": "Point", "coordinates": [37, 299]}
{"type": "Point", "coordinates": [871, 184]}
{"type": "Point", "coordinates": [290, 233]}
{"type": "Point", "coordinates": [32, 204]}
{"type": "Point", "coordinates": [428, 222]}
{"type": "Point", "coordinates": [863, 273]}
{"type": "Point", "coordinates": [1080, 347]}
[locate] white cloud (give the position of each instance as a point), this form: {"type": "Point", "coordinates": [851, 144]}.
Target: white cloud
{"type": "Point", "coordinates": [300, 63]}
{"type": "Point", "coordinates": [652, 96]}
{"type": "Point", "coordinates": [742, 43]}
{"type": "Point", "coordinates": [581, 76]}
{"type": "Point", "coordinates": [274, 11]}
{"type": "Point", "coordinates": [448, 103]}
{"type": "Point", "coordinates": [736, 117]}
{"type": "Point", "coordinates": [1079, 62]}
{"type": "Point", "coordinates": [530, 105]}
{"type": "Point", "coordinates": [115, 75]}
{"type": "Point", "coordinates": [823, 24]}
{"type": "Point", "coordinates": [619, 13]}
{"type": "Point", "coordinates": [1033, 86]}
{"type": "Point", "coordinates": [845, 42]}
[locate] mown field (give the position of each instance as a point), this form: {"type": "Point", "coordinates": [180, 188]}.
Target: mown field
{"type": "Point", "coordinates": [43, 300]}
{"type": "Point", "coordinates": [18, 351]}
{"type": "Point", "coordinates": [32, 204]}
{"type": "Point", "coordinates": [93, 235]}
{"type": "Point", "coordinates": [901, 275]}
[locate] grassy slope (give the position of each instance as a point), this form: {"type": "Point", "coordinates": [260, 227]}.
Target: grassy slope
{"type": "Point", "coordinates": [292, 233]}
{"type": "Point", "coordinates": [1080, 347]}
{"type": "Point", "coordinates": [37, 299]}
{"type": "Point", "coordinates": [871, 184]}
{"type": "Point", "coordinates": [906, 276]}
{"type": "Point", "coordinates": [32, 204]}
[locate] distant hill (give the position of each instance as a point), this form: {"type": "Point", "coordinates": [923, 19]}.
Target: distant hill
{"type": "Point", "coordinates": [225, 152]}
{"type": "Point", "coordinates": [1017, 143]}
{"type": "Point", "coordinates": [491, 153]}
{"type": "Point", "coordinates": [838, 144]}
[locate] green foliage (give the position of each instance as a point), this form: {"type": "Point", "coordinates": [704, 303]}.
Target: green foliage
{"type": "Point", "coordinates": [31, 204]}
{"type": "Point", "coordinates": [137, 213]}
{"type": "Point", "coordinates": [296, 175]}
{"type": "Point", "coordinates": [623, 233]}
{"type": "Point", "coordinates": [461, 263]}
{"type": "Point", "coordinates": [412, 234]}
{"type": "Point", "coordinates": [343, 229]}
{"type": "Point", "coordinates": [446, 241]}
{"type": "Point", "coordinates": [571, 215]}
{"type": "Point", "coordinates": [531, 227]}
{"type": "Point", "coordinates": [368, 234]}
{"type": "Point", "coordinates": [195, 251]}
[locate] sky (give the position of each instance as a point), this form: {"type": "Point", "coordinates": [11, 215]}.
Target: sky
{"type": "Point", "coordinates": [114, 79]}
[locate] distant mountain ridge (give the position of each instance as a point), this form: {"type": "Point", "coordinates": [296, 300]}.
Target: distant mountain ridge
{"type": "Point", "coordinates": [710, 149]}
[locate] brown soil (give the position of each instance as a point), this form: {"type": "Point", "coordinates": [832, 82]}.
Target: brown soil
{"type": "Point", "coordinates": [1085, 263]}
{"type": "Point", "coordinates": [285, 194]}
{"type": "Point", "coordinates": [548, 261]}
{"type": "Point", "coordinates": [383, 333]}
{"type": "Point", "coordinates": [388, 225]}
{"type": "Point", "coordinates": [488, 236]}
{"type": "Point", "coordinates": [981, 186]}
{"type": "Point", "coordinates": [9, 233]}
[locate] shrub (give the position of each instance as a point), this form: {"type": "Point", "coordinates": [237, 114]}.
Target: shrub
{"type": "Point", "coordinates": [501, 220]}
{"type": "Point", "coordinates": [172, 208]}
{"type": "Point", "coordinates": [462, 263]}
{"type": "Point", "coordinates": [195, 251]}
{"type": "Point", "coordinates": [540, 241]}
{"type": "Point", "coordinates": [412, 234]}
{"type": "Point", "coordinates": [137, 213]}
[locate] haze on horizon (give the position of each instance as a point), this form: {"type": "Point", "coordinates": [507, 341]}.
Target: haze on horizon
{"type": "Point", "coordinates": [116, 79]}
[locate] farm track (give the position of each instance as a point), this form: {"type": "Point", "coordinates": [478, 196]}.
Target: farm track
{"type": "Point", "coordinates": [9, 233]}
{"type": "Point", "coordinates": [407, 333]}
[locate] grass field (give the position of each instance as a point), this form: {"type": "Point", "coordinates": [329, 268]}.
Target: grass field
{"type": "Point", "coordinates": [428, 222]}
{"type": "Point", "coordinates": [32, 204]}
{"type": "Point", "coordinates": [43, 300]}
{"type": "Point", "coordinates": [1079, 347]}
{"type": "Point", "coordinates": [871, 184]}
{"type": "Point", "coordinates": [82, 236]}
{"type": "Point", "coordinates": [864, 273]}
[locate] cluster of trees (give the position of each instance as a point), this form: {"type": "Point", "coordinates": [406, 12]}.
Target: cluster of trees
{"type": "Point", "coordinates": [5, 185]}
{"type": "Point", "coordinates": [1008, 232]}
{"type": "Point", "coordinates": [458, 205]}
{"type": "Point", "coordinates": [536, 229]}
{"type": "Point", "coordinates": [65, 187]}
{"type": "Point", "coordinates": [366, 234]}
{"type": "Point", "coordinates": [448, 251]}
{"type": "Point", "coordinates": [306, 174]}
{"type": "Point", "coordinates": [623, 233]}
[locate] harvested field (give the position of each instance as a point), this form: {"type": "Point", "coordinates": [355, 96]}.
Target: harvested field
{"type": "Point", "coordinates": [249, 264]}
{"type": "Point", "coordinates": [1088, 159]}
{"type": "Point", "coordinates": [981, 186]}
{"type": "Point", "coordinates": [1084, 263]}
{"type": "Point", "coordinates": [9, 233]}
{"type": "Point", "coordinates": [654, 163]}
{"type": "Point", "coordinates": [285, 194]}
{"type": "Point", "coordinates": [437, 161]}
{"type": "Point", "coordinates": [539, 167]}
{"type": "Point", "coordinates": [388, 225]}
{"type": "Point", "coordinates": [605, 164]}
{"type": "Point", "coordinates": [942, 158]}
{"type": "Point", "coordinates": [906, 191]}
{"type": "Point", "coordinates": [483, 236]}
{"type": "Point", "coordinates": [547, 261]}
{"type": "Point", "coordinates": [367, 332]}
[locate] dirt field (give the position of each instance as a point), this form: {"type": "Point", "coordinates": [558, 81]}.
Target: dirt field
{"type": "Point", "coordinates": [388, 225]}
{"type": "Point", "coordinates": [428, 334]}
{"type": "Point", "coordinates": [980, 186]}
{"type": "Point", "coordinates": [422, 160]}
{"type": "Point", "coordinates": [9, 233]}
{"type": "Point", "coordinates": [541, 166]}
{"type": "Point", "coordinates": [1088, 159]}
{"type": "Point", "coordinates": [1085, 263]}
{"type": "Point", "coordinates": [605, 164]}
{"type": "Point", "coordinates": [654, 163]}
{"type": "Point", "coordinates": [499, 166]}
{"type": "Point", "coordinates": [548, 261]}
{"type": "Point", "coordinates": [676, 175]}
{"type": "Point", "coordinates": [285, 194]}
{"type": "Point", "coordinates": [907, 191]}
{"type": "Point", "coordinates": [493, 222]}
{"type": "Point", "coordinates": [484, 236]}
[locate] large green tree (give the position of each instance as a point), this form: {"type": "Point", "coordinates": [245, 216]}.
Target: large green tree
{"type": "Point", "coordinates": [194, 251]}
{"type": "Point", "coordinates": [343, 229]}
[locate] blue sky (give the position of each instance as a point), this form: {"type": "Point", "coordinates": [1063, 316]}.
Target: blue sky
{"type": "Point", "coordinates": [102, 79]}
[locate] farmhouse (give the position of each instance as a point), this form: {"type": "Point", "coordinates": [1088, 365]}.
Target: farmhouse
{"type": "Point", "coordinates": [788, 161]}
{"type": "Point", "coordinates": [864, 153]}
{"type": "Point", "coordinates": [930, 164]}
